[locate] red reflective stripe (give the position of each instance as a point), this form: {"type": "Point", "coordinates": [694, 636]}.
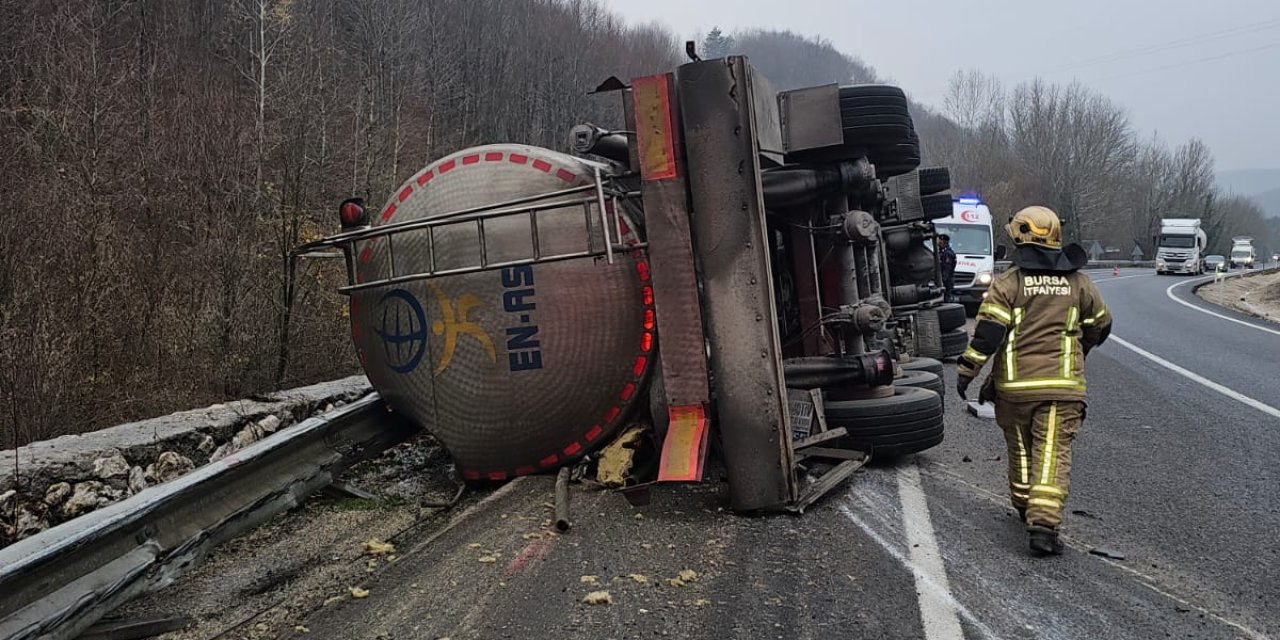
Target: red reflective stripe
{"type": "Point", "coordinates": [641, 363]}
{"type": "Point", "coordinates": [646, 343]}
{"type": "Point", "coordinates": [364, 255]}
{"type": "Point", "coordinates": [684, 448]}
{"type": "Point", "coordinates": [565, 175]}
{"type": "Point", "coordinates": [517, 158]}
{"type": "Point", "coordinates": [447, 167]}
{"type": "Point", "coordinates": [471, 159]}
{"type": "Point", "coordinates": [492, 157]}
{"type": "Point", "coordinates": [542, 165]}
{"type": "Point", "coordinates": [654, 127]}
{"type": "Point", "coordinates": [627, 391]}
{"type": "Point", "coordinates": [425, 178]}
{"type": "Point", "coordinates": [572, 449]}
{"type": "Point", "coordinates": [612, 414]}
{"type": "Point", "coordinates": [471, 475]}
{"type": "Point", "coordinates": [497, 475]}
{"type": "Point", "coordinates": [388, 212]}
{"type": "Point", "coordinates": [648, 318]}
{"type": "Point", "coordinates": [642, 268]}
{"type": "Point", "coordinates": [549, 460]}
{"type": "Point", "coordinates": [648, 295]}
{"type": "Point", "coordinates": [594, 433]}
{"type": "Point", "coordinates": [524, 471]}
{"type": "Point", "coordinates": [406, 192]}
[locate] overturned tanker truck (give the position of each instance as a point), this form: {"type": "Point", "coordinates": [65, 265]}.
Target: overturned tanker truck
{"type": "Point", "coordinates": [730, 266]}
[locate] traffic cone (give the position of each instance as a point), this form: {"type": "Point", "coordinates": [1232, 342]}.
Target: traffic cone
{"type": "Point", "coordinates": [1115, 271]}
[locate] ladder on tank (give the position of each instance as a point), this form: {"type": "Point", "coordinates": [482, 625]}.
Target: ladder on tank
{"type": "Point", "coordinates": [601, 216]}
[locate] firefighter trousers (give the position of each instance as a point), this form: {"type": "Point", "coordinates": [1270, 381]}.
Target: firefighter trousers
{"type": "Point", "coordinates": [1039, 436]}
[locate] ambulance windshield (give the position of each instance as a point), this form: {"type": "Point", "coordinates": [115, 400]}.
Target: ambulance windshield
{"type": "Point", "coordinates": [968, 239]}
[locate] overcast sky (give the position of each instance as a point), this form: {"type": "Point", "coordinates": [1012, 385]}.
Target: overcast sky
{"type": "Point", "coordinates": [1183, 68]}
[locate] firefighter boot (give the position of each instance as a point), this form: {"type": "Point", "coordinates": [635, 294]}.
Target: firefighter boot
{"type": "Point", "coordinates": [1044, 541]}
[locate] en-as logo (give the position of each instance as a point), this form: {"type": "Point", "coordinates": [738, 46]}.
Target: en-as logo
{"type": "Point", "coordinates": [403, 330]}
{"type": "Point", "coordinates": [455, 321]}
{"type": "Point", "coordinates": [969, 215]}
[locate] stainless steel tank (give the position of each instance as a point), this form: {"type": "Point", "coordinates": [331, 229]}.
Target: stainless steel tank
{"type": "Point", "coordinates": [515, 369]}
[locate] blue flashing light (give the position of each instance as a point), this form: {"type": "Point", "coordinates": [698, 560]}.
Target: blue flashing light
{"type": "Point", "coordinates": [969, 199]}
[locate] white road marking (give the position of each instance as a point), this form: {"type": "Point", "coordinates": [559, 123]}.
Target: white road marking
{"type": "Point", "coordinates": [1137, 275]}
{"type": "Point", "coordinates": [940, 471]}
{"type": "Point", "coordinates": [1169, 292]}
{"type": "Point", "coordinates": [1195, 377]}
{"type": "Point", "coordinates": [925, 583]}
{"type": "Point", "coordinates": [937, 605]}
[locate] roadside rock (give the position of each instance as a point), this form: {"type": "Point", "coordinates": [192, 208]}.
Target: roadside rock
{"type": "Point", "coordinates": [57, 493]}
{"type": "Point", "coordinates": [207, 445]}
{"type": "Point", "coordinates": [110, 466]}
{"type": "Point", "coordinates": [29, 523]}
{"type": "Point", "coordinates": [137, 480]}
{"type": "Point", "coordinates": [168, 466]}
{"type": "Point", "coordinates": [247, 436]}
{"type": "Point", "coordinates": [85, 498]}
{"type": "Point", "coordinates": [8, 501]}
{"type": "Point", "coordinates": [269, 424]}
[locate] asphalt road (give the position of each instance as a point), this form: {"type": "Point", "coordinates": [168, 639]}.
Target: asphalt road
{"type": "Point", "coordinates": [1176, 472]}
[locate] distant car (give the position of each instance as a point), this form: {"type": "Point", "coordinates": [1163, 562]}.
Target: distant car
{"type": "Point", "coordinates": [1215, 263]}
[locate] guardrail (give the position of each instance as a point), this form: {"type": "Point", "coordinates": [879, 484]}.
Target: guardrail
{"type": "Point", "coordinates": [55, 585]}
{"type": "Point", "coordinates": [1002, 265]}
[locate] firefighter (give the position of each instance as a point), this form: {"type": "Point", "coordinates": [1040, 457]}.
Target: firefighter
{"type": "Point", "coordinates": [1038, 322]}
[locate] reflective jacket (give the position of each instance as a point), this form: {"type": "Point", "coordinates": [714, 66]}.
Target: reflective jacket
{"type": "Point", "coordinates": [1037, 325]}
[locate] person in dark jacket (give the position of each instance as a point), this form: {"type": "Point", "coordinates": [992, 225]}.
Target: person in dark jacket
{"type": "Point", "coordinates": [947, 260]}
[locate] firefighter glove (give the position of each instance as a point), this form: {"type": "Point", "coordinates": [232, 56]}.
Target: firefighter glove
{"type": "Point", "coordinates": [962, 385]}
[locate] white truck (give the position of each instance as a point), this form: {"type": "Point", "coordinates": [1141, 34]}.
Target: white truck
{"type": "Point", "coordinates": [969, 227]}
{"type": "Point", "coordinates": [1181, 246]}
{"type": "Point", "coordinates": [1242, 252]}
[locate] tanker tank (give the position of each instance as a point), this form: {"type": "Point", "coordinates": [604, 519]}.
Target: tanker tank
{"type": "Point", "coordinates": [519, 368]}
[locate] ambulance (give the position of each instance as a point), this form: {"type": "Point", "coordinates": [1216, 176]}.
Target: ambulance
{"type": "Point", "coordinates": [969, 227]}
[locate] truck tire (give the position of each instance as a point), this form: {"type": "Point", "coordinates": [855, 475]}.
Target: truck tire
{"type": "Point", "coordinates": [928, 335]}
{"type": "Point", "coordinates": [923, 380]}
{"type": "Point", "coordinates": [954, 343]}
{"type": "Point", "coordinates": [862, 91]}
{"type": "Point", "coordinates": [923, 364]}
{"type": "Point", "coordinates": [951, 316]}
{"type": "Point", "coordinates": [883, 109]}
{"type": "Point", "coordinates": [910, 420]}
{"type": "Point", "coordinates": [938, 205]}
{"type": "Point", "coordinates": [934, 180]}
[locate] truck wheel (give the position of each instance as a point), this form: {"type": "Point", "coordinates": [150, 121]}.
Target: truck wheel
{"type": "Point", "coordinates": [934, 180]}
{"type": "Point", "coordinates": [850, 113]}
{"type": "Point", "coordinates": [923, 380]}
{"type": "Point", "coordinates": [908, 421]}
{"type": "Point", "coordinates": [954, 343]}
{"type": "Point", "coordinates": [938, 205]}
{"type": "Point", "coordinates": [951, 316]}
{"type": "Point", "coordinates": [928, 334]}
{"type": "Point", "coordinates": [923, 364]}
